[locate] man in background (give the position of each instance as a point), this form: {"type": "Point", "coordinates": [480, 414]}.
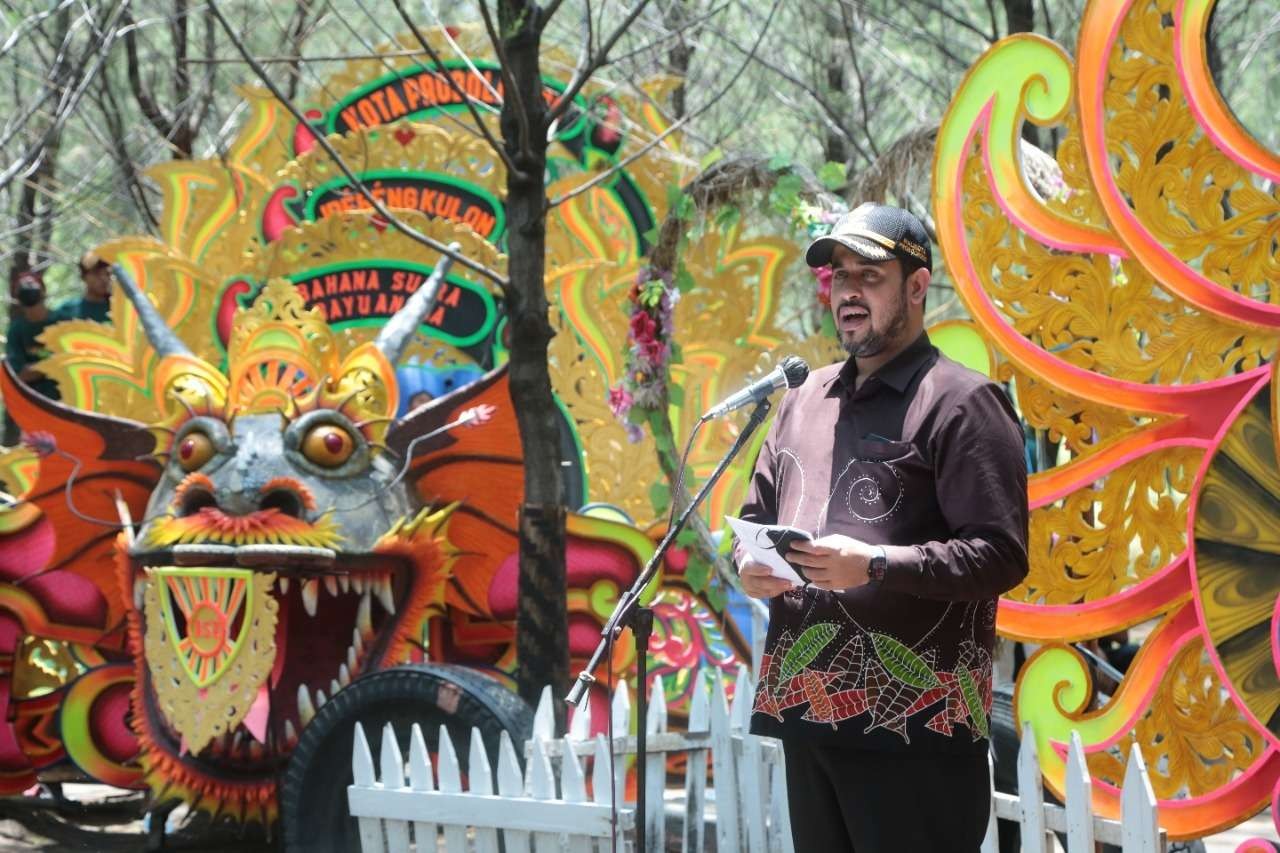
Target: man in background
{"type": "Point", "coordinates": [28, 318]}
{"type": "Point", "coordinates": [95, 302]}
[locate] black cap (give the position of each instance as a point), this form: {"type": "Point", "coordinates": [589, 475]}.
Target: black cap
{"type": "Point", "coordinates": [877, 232]}
{"type": "Point", "coordinates": [91, 260]}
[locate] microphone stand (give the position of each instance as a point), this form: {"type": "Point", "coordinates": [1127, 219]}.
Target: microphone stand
{"type": "Point", "coordinates": [629, 612]}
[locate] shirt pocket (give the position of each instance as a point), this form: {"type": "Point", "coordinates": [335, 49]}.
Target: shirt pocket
{"type": "Point", "coordinates": [872, 483]}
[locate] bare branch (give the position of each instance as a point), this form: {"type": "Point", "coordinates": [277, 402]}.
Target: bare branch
{"type": "Point", "coordinates": [622, 164]}
{"type": "Point", "coordinates": [594, 64]}
{"type": "Point", "coordinates": [481, 125]}
{"type": "Point", "coordinates": [93, 60]}
{"type": "Point", "coordinates": [151, 109]}
{"type": "Point", "coordinates": [833, 116]}
{"type": "Point", "coordinates": [394, 221]}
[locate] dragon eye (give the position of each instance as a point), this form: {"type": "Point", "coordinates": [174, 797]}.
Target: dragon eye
{"type": "Point", "coordinates": [194, 450]}
{"type": "Point", "coordinates": [328, 445]}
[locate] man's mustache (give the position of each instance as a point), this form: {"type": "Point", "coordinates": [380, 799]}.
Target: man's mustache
{"type": "Point", "coordinates": [855, 303]}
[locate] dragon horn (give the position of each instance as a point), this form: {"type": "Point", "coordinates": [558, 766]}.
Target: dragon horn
{"type": "Point", "coordinates": [396, 334]}
{"type": "Point", "coordinates": [162, 338]}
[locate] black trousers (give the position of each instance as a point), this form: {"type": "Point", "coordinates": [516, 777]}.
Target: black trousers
{"type": "Point", "coordinates": [863, 801]}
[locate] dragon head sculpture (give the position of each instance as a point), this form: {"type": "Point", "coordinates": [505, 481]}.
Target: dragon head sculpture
{"type": "Point", "coordinates": [295, 534]}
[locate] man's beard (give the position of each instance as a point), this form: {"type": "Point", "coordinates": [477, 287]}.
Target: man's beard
{"type": "Point", "coordinates": [873, 342]}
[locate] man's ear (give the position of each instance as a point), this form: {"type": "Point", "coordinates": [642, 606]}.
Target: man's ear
{"type": "Point", "coordinates": [918, 285]}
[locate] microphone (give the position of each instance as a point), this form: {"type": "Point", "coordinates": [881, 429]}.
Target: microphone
{"type": "Point", "coordinates": [791, 372]}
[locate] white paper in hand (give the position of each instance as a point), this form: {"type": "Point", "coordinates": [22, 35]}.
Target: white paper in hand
{"type": "Point", "coordinates": [759, 541]}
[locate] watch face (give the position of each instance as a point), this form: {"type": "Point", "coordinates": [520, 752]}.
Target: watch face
{"type": "Point", "coordinates": [875, 570]}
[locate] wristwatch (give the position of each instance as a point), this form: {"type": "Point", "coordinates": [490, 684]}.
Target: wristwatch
{"type": "Point", "coordinates": [876, 568]}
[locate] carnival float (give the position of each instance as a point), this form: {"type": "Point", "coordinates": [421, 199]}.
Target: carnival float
{"type": "Point", "coordinates": [235, 536]}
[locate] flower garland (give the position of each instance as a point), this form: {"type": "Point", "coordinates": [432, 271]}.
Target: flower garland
{"type": "Point", "coordinates": [652, 302]}
{"type": "Point", "coordinates": [815, 222]}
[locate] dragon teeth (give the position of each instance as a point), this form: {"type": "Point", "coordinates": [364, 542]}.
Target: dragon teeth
{"type": "Point", "coordinates": [320, 699]}
{"type": "Point", "coordinates": [310, 596]}
{"type": "Point", "coordinates": [331, 584]}
{"type": "Point", "coordinates": [344, 581]}
{"type": "Point", "coordinates": [284, 585]}
{"type": "Point", "coordinates": [351, 658]}
{"type": "Point", "coordinates": [385, 598]}
{"type": "Point", "coordinates": [306, 710]}
{"type": "Point", "coordinates": [364, 617]}
{"type": "Point", "coordinates": [290, 734]}
{"type": "Point", "coordinates": [334, 686]}
{"type": "Point", "coordinates": [357, 642]}
{"type": "Point", "coordinates": [344, 675]}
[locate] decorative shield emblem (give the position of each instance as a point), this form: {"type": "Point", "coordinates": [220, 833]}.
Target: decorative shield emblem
{"type": "Point", "coordinates": [210, 646]}
{"type": "Point", "coordinates": [206, 618]}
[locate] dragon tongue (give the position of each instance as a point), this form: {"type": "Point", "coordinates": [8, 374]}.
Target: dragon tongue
{"type": "Point", "coordinates": [256, 720]}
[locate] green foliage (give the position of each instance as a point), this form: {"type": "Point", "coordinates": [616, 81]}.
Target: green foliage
{"type": "Point", "coordinates": [717, 595]}
{"type": "Point", "coordinates": [651, 293]}
{"type": "Point", "coordinates": [709, 159]}
{"type": "Point", "coordinates": [660, 498]}
{"type": "Point", "coordinates": [684, 279]}
{"type": "Point", "coordinates": [697, 573]}
{"type": "Point", "coordinates": [728, 217]}
{"type": "Point", "coordinates": [833, 175]}
{"type": "Point", "coordinates": [686, 207]}
{"type": "Point", "coordinates": [785, 195]}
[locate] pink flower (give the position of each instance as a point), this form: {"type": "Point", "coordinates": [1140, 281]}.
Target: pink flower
{"type": "Point", "coordinates": [652, 351]}
{"type": "Point", "coordinates": [823, 275]}
{"type": "Point", "coordinates": [619, 402]}
{"type": "Point", "coordinates": [643, 328]}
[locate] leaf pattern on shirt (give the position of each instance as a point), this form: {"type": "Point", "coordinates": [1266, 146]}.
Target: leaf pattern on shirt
{"type": "Point", "coordinates": [878, 676]}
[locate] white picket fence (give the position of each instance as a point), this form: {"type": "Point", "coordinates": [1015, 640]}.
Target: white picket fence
{"type": "Point", "coordinates": [1137, 831]}
{"type": "Point", "coordinates": [749, 796]}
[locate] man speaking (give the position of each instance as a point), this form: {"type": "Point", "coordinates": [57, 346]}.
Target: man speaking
{"type": "Point", "coordinates": [908, 471]}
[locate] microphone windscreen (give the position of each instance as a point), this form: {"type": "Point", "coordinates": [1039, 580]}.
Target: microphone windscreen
{"type": "Point", "coordinates": [796, 370]}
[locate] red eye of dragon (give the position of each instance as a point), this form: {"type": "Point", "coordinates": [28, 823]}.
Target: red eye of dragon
{"type": "Point", "coordinates": [194, 450]}
{"type": "Point", "coordinates": [328, 445]}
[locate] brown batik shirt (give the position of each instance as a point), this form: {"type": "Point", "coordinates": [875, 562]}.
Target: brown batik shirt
{"type": "Point", "coordinates": [925, 459]}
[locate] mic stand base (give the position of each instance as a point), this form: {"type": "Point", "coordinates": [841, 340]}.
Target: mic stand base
{"type": "Point", "coordinates": [642, 628]}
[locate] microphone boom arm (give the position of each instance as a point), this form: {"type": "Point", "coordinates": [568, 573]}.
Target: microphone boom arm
{"type": "Point", "coordinates": [629, 599]}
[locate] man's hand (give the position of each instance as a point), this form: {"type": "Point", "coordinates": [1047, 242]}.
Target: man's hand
{"type": "Point", "coordinates": [833, 562]}
{"type": "Point", "coordinates": [758, 583]}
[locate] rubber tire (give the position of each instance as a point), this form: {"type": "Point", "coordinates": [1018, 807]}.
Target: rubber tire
{"type": "Point", "coordinates": [313, 790]}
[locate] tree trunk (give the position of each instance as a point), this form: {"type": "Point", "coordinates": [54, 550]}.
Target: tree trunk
{"type": "Point", "coordinates": [679, 57]}
{"type": "Point", "coordinates": [542, 631]}
{"type": "Point", "coordinates": [34, 225]}
{"type": "Point", "coordinates": [834, 146]}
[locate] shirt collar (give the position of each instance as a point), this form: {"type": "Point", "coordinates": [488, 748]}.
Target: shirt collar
{"type": "Point", "coordinates": [897, 374]}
